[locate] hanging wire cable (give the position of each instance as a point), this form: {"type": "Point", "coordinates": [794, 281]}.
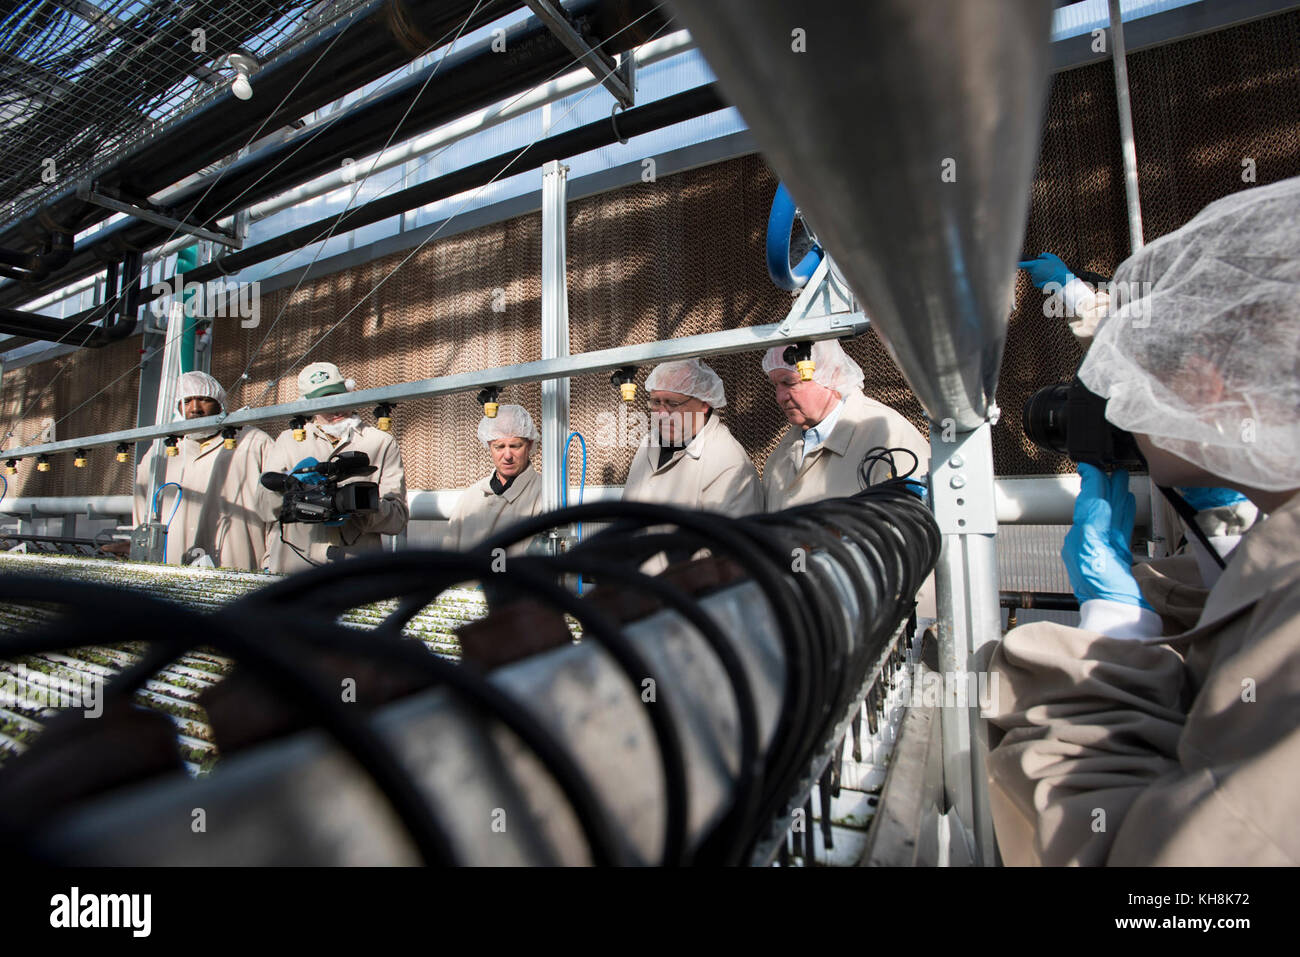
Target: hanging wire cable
{"type": "Point", "coordinates": [238, 383]}
{"type": "Point", "coordinates": [422, 164]}
{"type": "Point", "coordinates": [435, 233]}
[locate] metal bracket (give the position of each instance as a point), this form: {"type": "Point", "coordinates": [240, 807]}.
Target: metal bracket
{"type": "Point", "coordinates": [827, 296]}
{"type": "Point", "coordinates": [961, 480]}
{"type": "Point", "coordinates": [614, 76]}
{"type": "Point", "coordinates": [150, 215]}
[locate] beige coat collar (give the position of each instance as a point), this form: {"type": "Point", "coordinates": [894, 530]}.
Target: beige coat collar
{"type": "Point", "coordinates": [517, 488]}
{"type": "Point", "coordinates": [694, 448]}
{"type": "Point", "coordinates": [1267, 556]}
{"type": "Point", "coordinates": [840, 440]}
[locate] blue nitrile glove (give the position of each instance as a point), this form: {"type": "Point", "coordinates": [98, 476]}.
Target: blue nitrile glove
{"type": "Point", "coordinates": [308, 478]}
{"type": "Point", "coordinates": [1203, 498]}
{"type": "Point", "coordinates": [1097, 550]}
{"type": "Point", "coordinates": [1046, 268]}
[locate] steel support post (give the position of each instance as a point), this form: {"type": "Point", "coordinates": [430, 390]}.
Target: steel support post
{"type": "Point", "coordinates": [1127, 143]}
{"type": "Point", "coordinates": [555, 329]}
{"type": "Point", "coordinates": [966, 580]}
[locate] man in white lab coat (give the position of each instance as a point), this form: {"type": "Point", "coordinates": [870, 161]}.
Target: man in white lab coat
{"type": "Point", "coordinates": [216, 516]}
{"type": "Point", "coordinates": [513, 490]}
{"type": "Point", "coordinates": [834, 427]}
{"type": "Point", "coordinates": [295, 546]}
{"type": "Point", "coordinates": [690, 458]}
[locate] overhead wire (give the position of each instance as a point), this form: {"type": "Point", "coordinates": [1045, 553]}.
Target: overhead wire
{"type": "Point", "coordinates": [347, 210]}
{"type": "Point", "coordinates": [435, 233]}
{"type": "Point", "coordinates": [239, 381]}
{"type": "Point", "coordinates": [129, 282]}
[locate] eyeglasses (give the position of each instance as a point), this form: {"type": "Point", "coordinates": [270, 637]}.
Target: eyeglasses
{"type": "Point", "coordinates": [667, 404]}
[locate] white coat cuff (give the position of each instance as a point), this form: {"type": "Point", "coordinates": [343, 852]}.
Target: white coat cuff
{"type": "Point", "coordinates": [1118, 620]}
{"type": "Point", "coordinates": [1077, 296]}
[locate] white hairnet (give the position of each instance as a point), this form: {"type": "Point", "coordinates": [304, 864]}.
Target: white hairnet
{"type": "Point", "coordinates": [688, 377]}
{"type": "Point", "coordinates": [510, 421]}
{"type": "Point", "coordinates": [198, 385]}
{"type": "Point", "coordinates": [835, 370]}
{"type": "Point", "coordinates": [1204, 357]}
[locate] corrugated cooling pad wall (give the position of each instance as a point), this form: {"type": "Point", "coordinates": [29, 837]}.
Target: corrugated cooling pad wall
{"type": "Point", "coordinates": [66, 388]}
{"type": "Point", "coordinates": [684, 255]}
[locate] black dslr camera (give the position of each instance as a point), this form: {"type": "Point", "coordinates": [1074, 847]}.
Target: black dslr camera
{"type": "Point", "coordinates": [1069, 419]}
{"type": "Point", "coordinates": [312, 493]}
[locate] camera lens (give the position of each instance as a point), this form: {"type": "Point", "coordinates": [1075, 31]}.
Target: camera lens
{"type": "Point", "coordinates": [1046, 420]}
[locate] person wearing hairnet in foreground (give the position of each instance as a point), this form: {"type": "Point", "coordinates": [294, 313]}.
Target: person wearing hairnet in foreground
{"type": "Point", "coordinates": [690, 458]}
{"type": "Point", "coordinates": [215, 520]}
{"type": "Point", "coordinates": [511, 493]}
{"type": "Point", "coordinates": [834, 427]}
{"type": "Point", "coordinates": [1163, 730]}
{"type": "Point", "coordinates": [1221, 514]}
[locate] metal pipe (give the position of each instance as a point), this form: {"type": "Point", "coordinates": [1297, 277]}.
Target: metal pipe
{"type": "Point", "coordinates": [1049, 499]}
{"type": "Point", "coordinates": [67, 505]}
{"type": "Point", "coordinates": [555, 329]}
{"type": "Point", "coordinates": [467, 126]}
{"type": "Point", "coordinates": [376, 43]}
{"type": "Point", "coordinates": [1039, 500]}
{"type": "Point", "coordinates": [465, 81]}
{"type": "Point", "coordinates": [747, 339]}
{"type": "Point", "coordinates": [1128, 145]}
{"type": "Point", "coordinates": [970, 617]}
{"type": "Point", "coordinates": [908, 133]}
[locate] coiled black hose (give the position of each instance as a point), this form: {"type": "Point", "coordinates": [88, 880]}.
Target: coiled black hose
{"type": "Point", "coordinates": [883, 541]}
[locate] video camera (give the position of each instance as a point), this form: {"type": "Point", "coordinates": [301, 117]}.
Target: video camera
{"type": "Point", "coordinates": [312, 493]}
{"type": "Point", "coordinates": [1070, 419]}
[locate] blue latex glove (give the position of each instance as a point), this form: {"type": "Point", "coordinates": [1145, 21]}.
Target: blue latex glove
{"type": "Point", "coordinates": [1203, 498]}
{"type": "Point", "coordinates": [308, 478]}
{"type": "Point", "coordinates": [1097, 551]}
{"type": "Point", "coordinates": [1046, 268]}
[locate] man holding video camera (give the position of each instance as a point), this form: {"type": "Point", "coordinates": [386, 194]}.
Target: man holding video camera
{"type": "Point", "coordinates": [324, 508]}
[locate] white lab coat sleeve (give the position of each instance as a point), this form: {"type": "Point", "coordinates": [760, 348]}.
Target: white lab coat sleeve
{"type": "Point", "coordinates": [451, 540]}
{"type": "Point", "coordinates": [735, 491]}
{"type": "Point", "coordinates": [391, 516]}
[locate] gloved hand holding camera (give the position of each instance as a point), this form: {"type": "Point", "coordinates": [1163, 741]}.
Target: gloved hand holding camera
{"type": "Point", "coordinates": [1098, 556]}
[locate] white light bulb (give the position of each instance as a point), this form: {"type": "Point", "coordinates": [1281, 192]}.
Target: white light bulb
{"type": "Point", "coordinates": [241, 87]}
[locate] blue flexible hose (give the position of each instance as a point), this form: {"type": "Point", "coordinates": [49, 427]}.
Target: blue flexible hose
{"type": "Point", "coordinates": [179, 493]}
{"type": "Point", "coordinates": [564, 481]}
{"type": "Point", "coordinates": [779, 223]}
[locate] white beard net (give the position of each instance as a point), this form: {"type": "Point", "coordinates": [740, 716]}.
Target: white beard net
{"type": "Point", "coordinates": [343, 429]}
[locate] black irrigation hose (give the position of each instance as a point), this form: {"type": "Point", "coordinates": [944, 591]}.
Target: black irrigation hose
{"type": "Point", "coordinates": [264, 658]}
{"type": "Point", "coordinates": [477, 691]}
{"type": "Point", "coordinates": [759, 555]}
{"type": "Point", "coordinates": [800, 635]}
{"type": "Point", "coordinates": [882, 543]}
{"type": "Point", "coordinates": [366, 579]}
{"type": "Point", "coordinates": [750, 770]}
